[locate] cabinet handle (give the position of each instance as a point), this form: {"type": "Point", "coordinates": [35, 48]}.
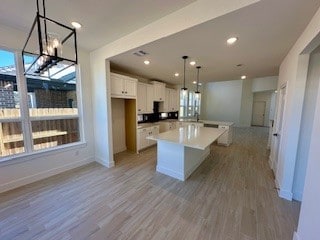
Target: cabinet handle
{"type": "Point", "coordinates": [139, 110]}
{"type": "Point", "coordinates": [122, 91]}
{"type": "Point", "coordinates": [126, 92]}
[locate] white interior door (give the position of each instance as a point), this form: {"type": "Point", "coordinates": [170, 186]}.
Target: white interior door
{"type": "Point", "coordinates": [278, 128]}
{"type": "Point", "coordinates": [258, 111]}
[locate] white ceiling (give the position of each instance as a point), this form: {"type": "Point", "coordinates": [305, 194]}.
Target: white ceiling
{"type": "Point", "coordinates": [266, 31]}
{"type": "Point", "coordinates": [103, 21]}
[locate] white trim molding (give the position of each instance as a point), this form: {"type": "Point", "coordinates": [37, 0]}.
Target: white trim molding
{"type": "Point", "coordinates": [296, 236]}
{"type": "Point", "coordinates": [101, 161]}
{"type": "Point", "coordinates": [42, 175]}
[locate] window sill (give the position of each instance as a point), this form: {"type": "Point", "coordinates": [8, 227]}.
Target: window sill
{"type": "Point", "coordinates": [23, 157]}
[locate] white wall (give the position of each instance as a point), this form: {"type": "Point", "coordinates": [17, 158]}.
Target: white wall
{"type": "Point", "coordinates": [222, 101]}
{"type": "Point", "coordinates": [265, 84]}
{"type": "Point", "coordinates": [310, 100]}
{"type": "Point", "coordinates": [293, 73]}
{"type": "Point", "coordinates": [25, 170]}
{"type": "Point", "coordinates": [264, 97]}
{"type": "Point", "coordinates": [246, 103]}
{"type": "Point", "coordinates": [308, 227]}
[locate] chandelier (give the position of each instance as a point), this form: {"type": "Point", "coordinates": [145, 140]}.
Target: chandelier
{"type": "Point", "coordinates": [50, 45]}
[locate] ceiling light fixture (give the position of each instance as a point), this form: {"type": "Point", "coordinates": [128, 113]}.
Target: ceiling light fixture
{"type": "Point", "coordinates": [176, 74]}
{"type": "Point", "coordinates": [232, 40]}
{"type": "Point", "coordinates": [146, 62]}
{"type": "Point", "coordinates": [243, 77]}
{"type": "Point", "coordinates": [184, 89]}
{"type": "Point", "coordinates": [49, 43]}
{"type": "Point", "coordinates": [76, 25]}
{"type": "Point", "coordinates": [192, 63]}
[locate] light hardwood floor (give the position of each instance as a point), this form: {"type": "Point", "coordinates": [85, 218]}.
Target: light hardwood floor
{"type": "Point", "coordinates": [231, 196]}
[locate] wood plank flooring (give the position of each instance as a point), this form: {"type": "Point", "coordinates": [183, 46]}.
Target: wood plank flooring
{"type": "Point", "coordinates": [231, 196]}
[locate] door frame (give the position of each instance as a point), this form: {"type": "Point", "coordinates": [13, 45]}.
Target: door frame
{"type": "Point", "coordinates": [264, 114]}
{"type": "Point", "coordinates": [276, 142]}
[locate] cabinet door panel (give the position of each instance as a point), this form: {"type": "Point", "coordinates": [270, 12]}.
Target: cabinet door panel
{"type": "Point", "coordinates": [150, 96]}
{"type": "Point", "coordinates": [141, 98]}
{"type": "Point", "coordinates": [130, 88]}
{"type": "Point", "coordinates": [116, 85]}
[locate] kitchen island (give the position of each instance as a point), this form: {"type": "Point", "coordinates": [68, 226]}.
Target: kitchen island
{"type": "Point", "coordinates": [182, 150]}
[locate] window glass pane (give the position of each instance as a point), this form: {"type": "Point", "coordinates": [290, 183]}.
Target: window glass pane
{"type": "Point", "coordinates": [190, 105]}
{"type": "Point", "coordinates": [52, 133]}
{"type": "Point", "coordinates": [53, 108]}
{"type": "Point", "coordinates": [11, 137]}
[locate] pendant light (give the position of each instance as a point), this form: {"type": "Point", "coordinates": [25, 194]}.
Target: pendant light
{"type": "Point", "coordinates": [44, 46]}
{"type": "Point", "coordinates": [184, 89]}
{"type": "Point", "coordinates": [197, 93]}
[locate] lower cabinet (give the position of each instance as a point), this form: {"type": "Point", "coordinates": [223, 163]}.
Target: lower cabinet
{"type": "Point", "coordinates": [143, 133]}
{"type": "Point", "coordinates": [226, 138]}
{"type": "Point", "coordinates": [167, 126]}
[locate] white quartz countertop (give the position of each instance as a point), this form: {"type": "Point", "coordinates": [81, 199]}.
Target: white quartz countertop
{"type": "Point", "coordinates": [190, 136]}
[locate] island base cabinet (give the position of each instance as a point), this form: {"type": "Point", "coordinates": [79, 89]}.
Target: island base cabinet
{"type": "Point", "coordinates": [226, 138]}
{"type": "Point", "coordinates": [179, 161]}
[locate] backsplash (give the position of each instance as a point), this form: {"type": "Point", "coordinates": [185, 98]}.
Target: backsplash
{"type": "Point", "coordinates": [156, 117]}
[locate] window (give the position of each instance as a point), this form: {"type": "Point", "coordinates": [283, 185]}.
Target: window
{"type": "Point", "coordinates": [11, 137]}
{"type": "Point", "coordinates": [49, 115]}
{"type": "Point", "coordinates": [190, 104]}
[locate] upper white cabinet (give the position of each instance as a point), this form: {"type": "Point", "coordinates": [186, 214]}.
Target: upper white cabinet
{"type": "Point", "coordinates": [170, 103]}
{"type": "Point", "coordinates": [159, 91]}
{"type": "Point", "coordinates": [142, 98]}
{"type": "Point", "coordinates": [145, 98]}
{"type": "Point", "coordinates": [123, 86]}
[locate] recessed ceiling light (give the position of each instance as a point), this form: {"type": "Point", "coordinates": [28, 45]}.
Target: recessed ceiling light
{"type": "Point", "coordinates": [146, 62]}
{"type": "Point", "coordinates": [239, 65]}
{"type": "Point", "coordinates": [192, 63]}
{"type": "Point", "coordinates": [200, 83]}
{"type": "Point", "coordinates": [76, 25]}
{"type": "Point", "coordinates": [176, 74]}
{"type": "Point", "coordinates": [194, 82]}
{"type": "Point", "coordinates": [232, 40]}
{"type": "Point", "coordinates": [243, 77]}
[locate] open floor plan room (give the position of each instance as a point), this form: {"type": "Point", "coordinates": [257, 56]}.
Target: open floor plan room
{"type": "Point", "coordinates": [230, 196]}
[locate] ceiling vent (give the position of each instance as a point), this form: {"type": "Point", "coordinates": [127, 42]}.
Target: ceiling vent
{"type": "Point", "coordinates": [140, 53]}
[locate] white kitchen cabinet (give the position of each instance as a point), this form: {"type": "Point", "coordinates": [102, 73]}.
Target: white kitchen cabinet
{"type": "Point", "coordinates": [149, 98]}
{"type": "Point", "coordinates": [170, 103]}
{"type": "Point", "coordinates": [226, 138]}
{"type": "Point", "coordinates": [141, 98]}
{"type": "Point", "coordinates": [123, 86]}
{"type": "Point", "coordinates": [159, 91]}
{"type": "Point", "coordinates": [167, 126]}
{"type": "Point", "coordinates": [143, 133]}
{"type": "Point", "coordinates": [173, 100]}
{"type": "Point", "coordinates": [144, 98]}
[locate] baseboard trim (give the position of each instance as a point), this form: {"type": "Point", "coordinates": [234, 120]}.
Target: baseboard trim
{"type": "Point", "coordinates": [170, 173]}
{"type": "Point", "coordinates": [104, 163]}
{"type": "Point", "coordinates": [42, 175]}
{"type": "Point", "coordinates": [285, 194]}
{"type": "Point", "coordinates": [270, 162]}
{"type": "Point", "coordinates": [296, 236]}
{"type": "Point", "coordinates": [297, 196]}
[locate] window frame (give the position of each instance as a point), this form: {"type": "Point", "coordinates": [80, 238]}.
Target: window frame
{"type": "Point", "coordinates": [26, 120]}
